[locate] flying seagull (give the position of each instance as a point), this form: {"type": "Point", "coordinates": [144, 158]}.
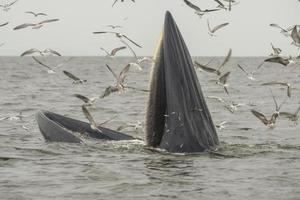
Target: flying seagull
{"type": "Point", "coordinates": [41, 52]}
{"type": "Point", "coordinates": [285, 32]}
{"type": "Point", "coordinates": [4, 24]}
{"type": "Point", "coordinates": [223, 81]}
{"type": "Point", "coordinates": [36, 14]}
{"type": "Point", "coordinates": [113, 52]}
{"type": "Point", "coordinates": [288, 85]}
{"type": "Point", "coordinates": [75, 79]}
{"type": "Point", "coordinates": [50, 70]}
{"type": "Point", "coordinates": [114, 26]}
{"type": "Point", "coordinates": [121, 1]}
{"type": "Point", "coordinates": [214, 29]}
{"type": "Point", "coordinates": [206, 68]}
{"type": "Point", "coordinates": [139, 61]}
{"type": "Point", "coordinates": [198, 11]}
{"type": "Point", "coordinates": [291, 116]}
{"type": "Point", "coordinates": [87, 101]}
{"type": "Point", "coordinates": [89, 117]}
{"type": "Point", "coordinates": [227, 58]}
{"type": "Point", "coordinates": [280, 60]}
{"type": "Point", "coordinates": [250, 75]}
{"type": "Point", "coordinates": [35, 25]}
{"type": "Point", "coordinates": [118, 35]}
{"type": "Point", "coordinates": [6, 7]}
{"type": "Point", "coordinates": [271, 122]}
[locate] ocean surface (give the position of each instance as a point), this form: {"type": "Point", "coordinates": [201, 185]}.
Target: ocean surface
{"type": "Point", "coordinates": [252, 161]}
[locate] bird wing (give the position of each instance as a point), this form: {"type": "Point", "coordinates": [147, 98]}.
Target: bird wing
{"type": "Point", "coordinates": [107, 53]}
{"type": "Point", "coordinates": [10, 4]}
{"type": "Point", "coordinates": [242, 69]}
{"type": "Point", "coordinates": [114, 3]}
{"type": "Point", "coordinates": [295, 35]}
{"type": "Point", "coordinates": [211, 10]}
{"type": "Point", "coordinates": [38, 61]}
{"type": "Point", "coordinates": [30, 51]}
{"type": "Point", "coordinates": [113, 73]}
{"type": "Point", "coordinates": [108, 91]}
{"type": "Point", "coordinates": [64, 62]}
{"type": "Point", "coordinates": [133, 42]}
{"type": "Point", "coordinates": [23, 26]}
{"type": "Point", "coordinates": [220, 3]}
{"type": "Point", "coordinates": [71, 76]}
{"type": "Point", "coordinates": [191, 5]}
{"type": "Point", "coordinates": [228, 56]}
{"type": "Point", "coordinates": [260, 116]}
{"type": "Point", "coordinates": [129, 47]}
{"type": "Point", "coordinates": [297, 111]}
{"type": "Point", "coordinates": [53, 52]}
{"type": "Point", "coordinates": [286, 114]}
{"type": "Point", "coordinates": [275, 83]}
{"type": "Point", "coordinates": [277, 26]}
{"type": "Point", "coordinates": [48, 21]}
{"type": "Point", "coordinates": [223, 79]}
{"type": "Point", "coordinates": [208, 25]}
{"type": "Point", "coordinates": [30, 12]}
{"type": "Point", "coordinates": [115, 50]}
{"type": "Point", "coordinates": [217, 98]}
{"type": "Point", "coordinates": [219, 26]}
{"type": "Point", "coordinates": [123, 73]}
{"type": "Point", "coordinates": [4, 24]}
{"type": "Point", "coordinates": [44, 14]}
{"type": "Point", "coordinates": [205, 68]}
{"type": "Point", "coordinates": [88, 115]}
{"type": "Point", "coordinates": [83, 98]}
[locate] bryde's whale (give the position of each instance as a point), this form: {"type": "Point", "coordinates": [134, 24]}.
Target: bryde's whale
{"type": "Point", "coordinates": [177, 118]}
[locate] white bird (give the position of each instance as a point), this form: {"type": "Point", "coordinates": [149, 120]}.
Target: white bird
{"type": "Point", "coordinates": [296, 36]}
{"type": "Point", "coordinates": [280, 60]}
{"type": "Point", "coordinates": [139, 61]}
{"type": "Point", "coordinates": [199, 11]}
{"type": "Point", "coordinates": [88, 115]}
{"type": "Point", "coordinates": [288, 85]}
{"type": "Point", "coordinates": [214, 29]}
{"type": "Point", "coordinates": [50, 70]}
{"type": "Point", "coordinates": [223, 81]}
{"type": "Point", "coordinates": [285, 32]}
{"type": "Point", "coordinates": [113, 51]}
{"type": "Point", "coordinates": [276, 51]}
{"type": "Point", "coordinates": [221, 125]}
{"type": "Point", "coordinates": [7, 6]}
{"type": "Point", "coordinates": [36, 14]}
{"type": "Point", "coordinates": [44, 52]}
{"type": "Point", "coordinates": [35, 25]}
{"type": "Point", "coordinates": [75, 79]}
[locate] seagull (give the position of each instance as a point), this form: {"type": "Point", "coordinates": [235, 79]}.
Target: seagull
{"type": "Point", "coordinates": [36, 14]}
{"type": "Point", "coordinates": [271, 122]}
{"type": "Point", "coordinates": [250, 75]}
{"type": "Point", "coordinates": [276, 51]}
{"type": "Point", "coordinates": [206, 68]}
{"type": "Point", "coordinates": [87, 101]}
{"type": "Point", "coordinates": [121, 1]}
{"type": "Point", "coordinates": [139, 61]}
{"type": "Point", "coordinates": [223, 81]}
{"type": "Point", "coordinates": [198, 11]}
{"type": "Point", "coordinates": [291, 116]}
{"type": "Point", "coordinates": [4, 24]}
{"type": "Point", "coordinates": [113, 52]}
{"type": "Point", "coordinates": [280, 60]}
{"type": "Point", "coordinates": [114, 26]}
{"type": "Point", "coordinates": [118, 35]}
{"type": "Point", "coordinates": [35, 26]}
{"type": "Point", "coordinates": [288, 85]}
{"type": "Point", "coordinates": [227, 58]}
{"type": "Point", "coordinates": [229, 105]}
{"type": "Point", "coordinates": [75, 79]}
{"type": "Point", "coordinates": [88, 115]}
{"type": "Point", "coordinates": [214, 29]}
{"type": "Point", "coordinates": [296, 36]}
{"type": "Point", "coordinates": [285, 32]}
{"type": "Point", "coordinates": [221, 125]}
{"type": "Point", "coordinates": [41, 52]}
{"type": "Point", "coordinates": [6, 7]}
{"type": "Point", "coordinates": [50, 69]}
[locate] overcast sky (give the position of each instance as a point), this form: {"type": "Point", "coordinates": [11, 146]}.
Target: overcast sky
{"type": "Point", "coordinates": [248, 33]}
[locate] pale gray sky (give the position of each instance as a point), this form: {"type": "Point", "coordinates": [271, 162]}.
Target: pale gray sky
{"type": "Point", "coordinates": [248, 34]}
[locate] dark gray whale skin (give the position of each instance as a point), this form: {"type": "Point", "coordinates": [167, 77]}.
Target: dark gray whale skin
{"type": "Point", "coordinates": [177, 117]}
{"type": "Point", "coordinates": [58, 128]}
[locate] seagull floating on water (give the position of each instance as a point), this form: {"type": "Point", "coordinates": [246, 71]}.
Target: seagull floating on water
{"type": "Point", "coordinates": [280, 60]}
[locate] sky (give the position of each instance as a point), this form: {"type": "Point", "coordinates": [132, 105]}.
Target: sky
{"type": "Point", "coordinates": [248, 32]}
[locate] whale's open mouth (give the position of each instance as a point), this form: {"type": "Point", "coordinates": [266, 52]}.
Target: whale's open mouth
{"type": "Point", "coordinates": [177, 117]}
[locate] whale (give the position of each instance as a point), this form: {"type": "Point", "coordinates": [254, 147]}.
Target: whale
{"type": "Point", "coordinates": [177, 118]}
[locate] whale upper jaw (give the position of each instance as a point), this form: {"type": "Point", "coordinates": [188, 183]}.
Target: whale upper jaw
{"type": "Point", "coordinates": [177, 117]}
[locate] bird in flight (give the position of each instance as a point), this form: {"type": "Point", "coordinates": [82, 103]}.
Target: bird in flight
{"type": "Point", "coordinates": [89, 117]}
{"type": "Point", "coordinates": [214, 29]}
{"type": "Point", "coordinates": [223, 81]}
{"type": "Point", "coordinates": [87, 101]}
{"type": "Point", "coordinates": [276, 51]}
{"type": "Point", "coordinates": [113, 52]}
{"type": "Point", "coordinates": [35, 25]}
{"type": "Point", "coordinates": [280, 60]}
{"type": "Point", "coordinates": [296, 36]}
{"type": "Point", "coordinates": [44, 52]}
{"type": "Point", "coordinates": [115, 1]}
{"type": "Point", "coordinates": [288, 85]}
{"type": "Point", "coordinates": [4, 24]}
{"type": "Point", "coordinates": [36, 14]}
{"type": "Point", "coordinates": [7, 6]}
{"type": "Point", "coordinates": [75, 79]}
{"type": "Point", "coordinates": [50, 70]}
{"type": "Point", "coordinates": [250, 75]}
{"type": "Point", "coordinates": [198, 10]}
